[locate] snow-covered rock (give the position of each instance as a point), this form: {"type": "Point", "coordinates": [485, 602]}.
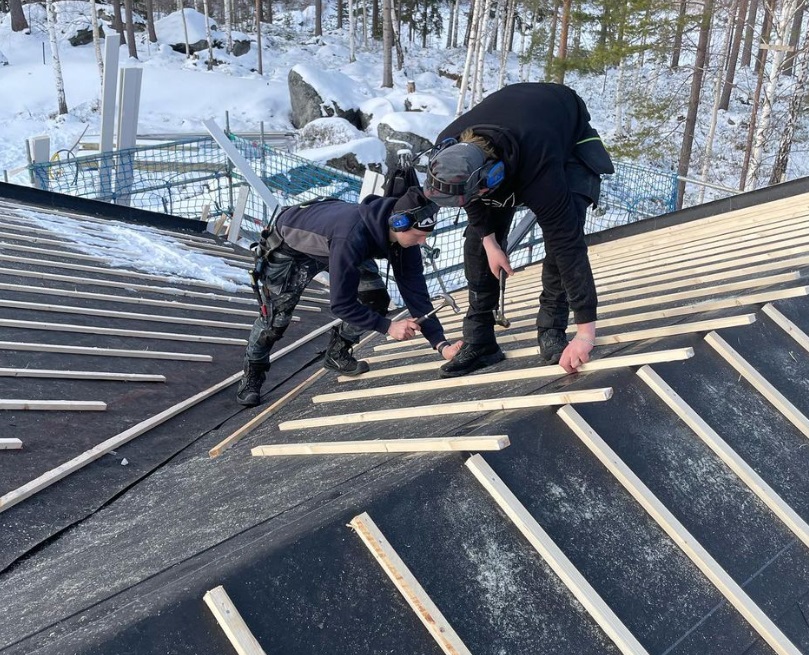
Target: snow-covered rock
{"type": "Point", "coordinates": [317, 93]}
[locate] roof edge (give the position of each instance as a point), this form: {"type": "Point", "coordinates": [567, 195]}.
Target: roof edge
{"type": "Point", "coordinates": [713, 208]}
{"type": "Point", "coordinates": [97, 208]}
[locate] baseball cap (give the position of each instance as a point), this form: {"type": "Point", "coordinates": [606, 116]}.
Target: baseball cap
{"type": "Point", "coordinates": [453, 175]}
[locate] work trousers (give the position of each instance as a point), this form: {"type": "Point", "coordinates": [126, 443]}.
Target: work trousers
{"type": "Point", "coordinates": [484, 288]}
{"type": "Point", "coordinates": [285, 276]}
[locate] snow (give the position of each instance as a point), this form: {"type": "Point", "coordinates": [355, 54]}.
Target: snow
{"type": "Point", "coordinates": [179, 93]}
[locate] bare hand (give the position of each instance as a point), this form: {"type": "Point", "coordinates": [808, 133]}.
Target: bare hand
{"type": "Point", "coordinates": [496, 257]}
{"type": "Point", "coordinates": [575, 354]}
{"type": "Point", "coordinates": [450, 351]}
{"type": "Point", "coordinates": [404, 329]}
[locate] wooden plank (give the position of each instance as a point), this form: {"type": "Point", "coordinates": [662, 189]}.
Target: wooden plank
{"type": "Point", "coordinates": [102, 352]}
{"type": "Point", "coordinates": [53, 405]}
{"type": "Point", "coordinates": [689, 294]}
{"type": "Point", "coordinates": [231, 622]}
{"type": "Point", "coordinates": [235, 436]}
{"type": "Point", "coordinates": [54, 475]}
{"type": "Point", "coordinates": [428, 444]}
{"type": "Point", "coordinates": [79, 375]}
{"type": "Point", "coordinates": [129, 316]}
{"type": "Point", "coordinates": [788, 326]}
{"type": "Point", "coordinates": [89, 329]}
{"type": "Point", "coordinates": [488, 405]}
{"type": "Point", "coordinates": [622, 337]}
{"type": "Point", "coordinates": [554, 557]}
{"type": "Point", "coordinates": [10, 444]}
{"type": "Point", "coordinates": [763, 386]}
{"type": "Point", "coordinates": [535, 373]}
{"type": "Point", "coordinates": [407, 584]}
{"type": "Point", "coordinates": [709, 567]}
{"type": "Point", "coordinates": [732, 460]}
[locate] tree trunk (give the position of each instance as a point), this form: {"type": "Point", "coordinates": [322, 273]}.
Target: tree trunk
{"type": "Point", "coordinates": [258, 38]}
{"type": "Point", "coordinates": [717, 96]}
{"type": "Point", "coordinates": [352, 37]}
{"type": "Point", "coordinates": [451, 26]}
{"type": "Point", "coordinates": [130, 29]}
{"type": "Point", "coordinates": [561, 57]}
{"type": "Point", "coordinates": [181, 9]}
{"type": "Point", "coordinates": [267, 16]}
{"type": "Point", "coordinates": [57, 63]}
{"type": "Point", "coordinates": [766, 28]}
{"type": "Point", "coordinates": [508, 29]}
{"type": "Point", "coordinates": [457, 13]}
{"type": "Point", "coordinates": [375, 31]}
{"type": "Point", "coordinates": [552, 40]}
{"type": "Point", "coordinates": [18, 20]}
{"type": "Point", "coordinates": [779, 169]}
{"type": "Point", "coordinates": [228, 25]}
{"type": "Point", "coordinates": [340, 14]}
{"type": "Point", "coordinates": [471, 48]}
{"type": "Point", "coordinates": [117, 22]}
{"type": "Point", "coordinates": [318, 17]}
{"type": "Point", "coordinates": [677, 48]}
{"type": "Point", "coordinates": [397, 41]}
{"type": "Point", "coordinates": [747, 49]}
{"type": "Point", "coordinates": [477, 88]}
{"type": "Point", "coordinates": [733, 57]}
{"type": "Point", "coordinates": [208, 35]}
{"type": "Point", "coordinates": [693, 100]}
{"type": "Point", "coordinates": [97, 39]}
{"type": "Point", "coordinates": [387, 45]}
{"type": "Point", "coordinates": [794, 37]}
{"type": "Point", "coordinates": [781, 23]}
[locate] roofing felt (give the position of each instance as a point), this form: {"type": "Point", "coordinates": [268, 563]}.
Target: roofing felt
{"type": "Point", "coordinates": [666, 515]}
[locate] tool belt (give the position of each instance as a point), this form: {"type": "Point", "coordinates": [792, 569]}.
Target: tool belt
{"type": "Point", "coordinates": [268, 243]}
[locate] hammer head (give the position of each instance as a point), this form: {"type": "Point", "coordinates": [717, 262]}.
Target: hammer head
{"type": "Point", "coordinates": [450, 301]}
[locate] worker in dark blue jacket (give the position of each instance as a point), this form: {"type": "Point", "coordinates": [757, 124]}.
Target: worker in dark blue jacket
{"type": "Point", "coordinates": [529, 145]}
{"type": "Point", "coordinates": [344, 239]}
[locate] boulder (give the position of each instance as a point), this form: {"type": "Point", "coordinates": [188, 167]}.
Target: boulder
{"type": "Point", "coordinates": [240, 46]}
{"type": "Point", "coordinates": [409, 130]}
{"type": "Point", "coordinates": [355, 157]}
{"type": "Point", "coordinates": [314, 94]}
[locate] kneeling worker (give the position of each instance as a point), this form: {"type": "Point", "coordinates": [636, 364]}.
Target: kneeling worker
{"type": "Point", "coordinates": [344, 239]}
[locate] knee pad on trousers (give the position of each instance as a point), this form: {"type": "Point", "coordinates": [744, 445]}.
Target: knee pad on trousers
{"type": "Point", "coordinates": [376, 299]}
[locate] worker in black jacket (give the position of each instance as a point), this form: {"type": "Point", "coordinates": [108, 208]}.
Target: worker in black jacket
{"type": "Point", "coordinates": [343, 238]}
{"type": "Point", "coordinates": [527, 144]}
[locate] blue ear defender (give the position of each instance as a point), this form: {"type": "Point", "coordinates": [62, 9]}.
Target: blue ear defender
{"type": "Point", "coordinates": [401, 222]}
{"type": "Point", "coordinates": [495, 175]}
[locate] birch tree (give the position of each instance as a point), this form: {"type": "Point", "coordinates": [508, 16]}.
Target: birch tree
{"type": "Point", "coordinates": [781, 23]}
{"type": "Point", "coordinates": [480, 54]}
{"type": "Point", "coordinates": [181, 9]}
{"type": "Point", "coordinates": [228, 15]}
{"type": "Point", "coordinates": [208, 35]}
{"type": "Point", "coordinates": [352, 37]}
{"type": "Point", "coordinates": [258, 39]}
{"type": "Point", "coordinates": [779, 169]}
{"type": "Point", "coordinates": [97, 39]}
{"type": "Point", "coordinates": [471, 48]}
{"type": "Point", "coordinates": [387, 45]}
{"type": "Point", "coordinates": [57, 63]}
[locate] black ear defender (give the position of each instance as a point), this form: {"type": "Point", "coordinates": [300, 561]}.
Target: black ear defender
{"type": "Point", "coordinates": [422, 218]}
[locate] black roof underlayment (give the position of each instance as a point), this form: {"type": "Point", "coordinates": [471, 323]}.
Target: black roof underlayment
{"type": "Point", "coordinates": [117, 559]}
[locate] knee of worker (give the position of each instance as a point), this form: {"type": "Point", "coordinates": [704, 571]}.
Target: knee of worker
{"type": "Point", "coordinates": [377, 299]}
{"type": "Point", "coordinates": [483, 300]}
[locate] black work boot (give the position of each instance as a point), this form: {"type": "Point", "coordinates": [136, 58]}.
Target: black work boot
{"type": "Point", "coordinates": [249, 391]}
{"type": "Point", "coordinates": [340, 356]}
{"type": "Point", "coordinates": [552, 343]}
{"type": "Point", "coordinates": [470, 358]}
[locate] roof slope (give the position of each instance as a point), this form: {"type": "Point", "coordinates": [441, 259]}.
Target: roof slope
{"type": "Point", "coordinates": [666, 487]}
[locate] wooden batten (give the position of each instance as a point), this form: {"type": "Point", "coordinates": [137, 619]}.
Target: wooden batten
{"type": "Point", "coordinates": [231, 622]}
{"type": "Point", "coordinates": [788, 326]}
{"type": "Point", "coordinates": [79, 375]}
{"type": "Point", "coordinates": [407, 584]}
{"type": "Point", "coordinates": [85, 329]}
{"type": "Point", "coordinates": [488, 405]}
{"type": "Point", "coordinates": [53, 405]}
{"type": "Point", "coordinates": [763, 386]}
{"type": "Point", "coordinates": [10, 444]}
{"type": "Point", "coordinates": [102, 352]}
{"type": "Point", "coordinates": [555, 558]}
{"type": "Point", "coordinates": [80, 461]}
{"type": "Point", "coordinates": [677, 532]}
{"type": "Point", "coordinates": [427, 444]}
{"type": "Point", "coordinates": [535, 373]}
{"type": "Point", "coordinates": [732, 460]}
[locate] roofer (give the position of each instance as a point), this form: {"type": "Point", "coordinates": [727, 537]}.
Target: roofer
{"type": "Point", "coordinates": [527, 144]}
{"type": "Point", "coordinates": [343, 238]}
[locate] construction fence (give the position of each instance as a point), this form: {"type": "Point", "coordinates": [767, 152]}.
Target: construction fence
{"type": "Point", "coordinates": [193, 178]}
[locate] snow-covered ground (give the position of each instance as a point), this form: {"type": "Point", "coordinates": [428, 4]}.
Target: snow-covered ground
{"type": "Point", "coordinates": [179, 93]}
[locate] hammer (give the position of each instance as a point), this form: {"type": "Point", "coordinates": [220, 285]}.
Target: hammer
{"type": "Point", "coordinates": [500, 314]}
{"type": "Point", "coordinates": [446, 301]}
